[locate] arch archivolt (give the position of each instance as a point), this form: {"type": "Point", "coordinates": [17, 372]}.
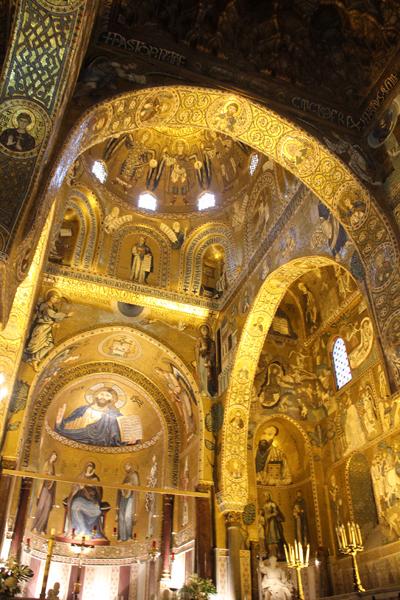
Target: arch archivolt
{"type": "Point", "coordinates": [42, 391]}
{"type": "Point", "coordinates": [194, 250]}
{"type": "Point", "coordinates": [37, 421]}
{"type": "Point", "coordinates": [234, 489]}
{"type": "Point", "coordinates": [300, 154]}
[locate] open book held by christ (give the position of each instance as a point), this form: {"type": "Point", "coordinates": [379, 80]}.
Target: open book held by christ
{"type": "Point", "coordinates": [130, 428]}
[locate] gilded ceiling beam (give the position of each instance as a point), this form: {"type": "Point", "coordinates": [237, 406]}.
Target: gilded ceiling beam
{"type": "Point", "coordinates": [87, 290]}
{"type": "Point", "coordinates": [47, 44]}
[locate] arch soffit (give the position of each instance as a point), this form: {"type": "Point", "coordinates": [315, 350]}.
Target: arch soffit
{"type": "Point", "coordinates": [234, 490]}
{"type": "Point", "coordinates": [289, 146]}
{"type": "Point", "coordinates": [195, 247]}
{"type": "Point", "coordinates": [91, 214]}
{"type": "Point", "coordinates": [118, 329]}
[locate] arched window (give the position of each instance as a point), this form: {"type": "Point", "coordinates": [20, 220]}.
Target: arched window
{"type": "Point", "coordinates": [341, 363]}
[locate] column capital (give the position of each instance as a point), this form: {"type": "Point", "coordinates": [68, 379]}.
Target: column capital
{"type": "Point", "coordinates": [233, 518]}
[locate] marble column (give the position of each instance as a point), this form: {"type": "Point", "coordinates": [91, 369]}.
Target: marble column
{"type": "Point", "coordinates": [233, 523]}
{"type": "Point", "coordinates": [20, 518]}
{"type": "Point", "coordinates": [5, 485]}
{"type": "Point", "coordinates": [204, 563]}
{"type": "Point", "coordinates": [168, 513]}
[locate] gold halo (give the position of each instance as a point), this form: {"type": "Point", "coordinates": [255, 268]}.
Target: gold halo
{"type": "Point", "coordinates": [29, 112]}
{"type": "Point", "coordinates": [121, 397]}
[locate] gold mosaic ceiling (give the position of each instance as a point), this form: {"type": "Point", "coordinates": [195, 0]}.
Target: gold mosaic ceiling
{"type": "Point", "coordinates": [175, 165]}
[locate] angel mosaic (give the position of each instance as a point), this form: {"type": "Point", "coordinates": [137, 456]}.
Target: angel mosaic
{"type": "Point", "coordinates": [41, 340]}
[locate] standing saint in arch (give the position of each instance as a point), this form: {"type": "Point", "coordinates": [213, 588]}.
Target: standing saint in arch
{"type": "Point", "coordinates": [126, 504]}
{"type": "Point", "coordinates": [46, 496]}
{"type": "Point", "coordinates": [141, 261]}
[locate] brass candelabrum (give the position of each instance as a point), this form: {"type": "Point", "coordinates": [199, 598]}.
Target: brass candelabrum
{"type": "Point", "coordinates": [350, 543]}
{"type": "Point", "coordinates": [78, 548]}
{"type": "Point", "coordinates": [50, 549]}
{"type": "Point", "coordinates": [297, 558]}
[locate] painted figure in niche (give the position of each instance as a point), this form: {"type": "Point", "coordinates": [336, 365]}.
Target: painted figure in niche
{"type": "Point", "coordinates": [17, 138]}
{"type": "Point", "coordinates": [300, 519]}
{"type": "Point", "coordinates": [175, 234]}
{"type": "Point", "coordinates": [273, 527]}
{"type": "Point", "coordinates": [41, 339]}
{"type": "Point", "coordinates": [336, 500]}
{"type": "Point", "coordinates": [382, 269]}
{"type": "Point", "coordinates": [206, 362]}
{"type": "Point", "coordinates": [311, 311]}
{"type": "Point", "coordinates": [276, 386]}
{"type": "Point", "coordinates": [150, 498]}
{"type": "Point", "coordinates": [141, 262]}
{"type": "Point", "coordinates": [140, 162]}
{"type": "Point", "coordinates": [181, 393]}
{"type": "Point", "coordinates": [127, 504]}
{"type": "Point", "coordinates": [282, 326]}
{"type": "Point", "coordinates": [221, 284]}
{"type": "Point", "coordinates": [271, 463]}
{"type": "Point", "coordinates": [378, 483]}
{"type": "Point", "coordinates": [369, 411]}
{"type": "Point", "coordinates": [227, 119]}
{"type": "Point", "coordinates": [354, 433]}
{"type": "Point", "coordinates": [46, 496]}
{"type": "Point", "coordinates": [393, 349]}
{"type": "Point", "coordinates": [332, 230]}
{"type": "Point", "coordinates": [352, 211]}
{"type": "Point", "coordinates": [366, 339]}
{"type": "Point", "coordinates": [261, 532]}
{"type": "Point", "coordinates": [385, 474]}
{"type": "Point", "coordinates": [113, 221]}
{"type": "Point", "coordinates": [100, 422]}
{"type": "Point", "coordinates": [344, 281]}
{"type": "Point", "coordinates": [274, 584]}
{"type": "Point", "coordinates": [388, 408]}
{"type": "Point", "coordinates": [57, 363]}
{"type": "Point", "coordinates": [185, 486]}
{"type": "Point", "coordinates": [261, 217]}
{"type": "Point", "coordinates": [85, 507]}
{"type": "Point", "coordinates": [64, 244]}
{"type": "Point", "coordinates": [339, 439]}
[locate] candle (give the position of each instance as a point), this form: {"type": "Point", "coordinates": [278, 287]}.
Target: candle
{"type": "Point", "coordinates": [53, 531]}
{"type": "Point", "coordinates": [286, 553]}
{"type": "Point", "coordinates": [307, 554]}
{"type": "Point", "coordinates": [359, 535]}
{"type": "Point", "coordinates": [301, 555]}
{"type": "Point", "coordinates": [353, 530]}
{"type": "Point", "coordinates": [344, 536]}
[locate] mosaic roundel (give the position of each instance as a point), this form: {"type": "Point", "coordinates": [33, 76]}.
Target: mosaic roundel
{"type": "Point", "coordinates": [23, 126]}
{"type": "Point", "coordinates": [230, 116]}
